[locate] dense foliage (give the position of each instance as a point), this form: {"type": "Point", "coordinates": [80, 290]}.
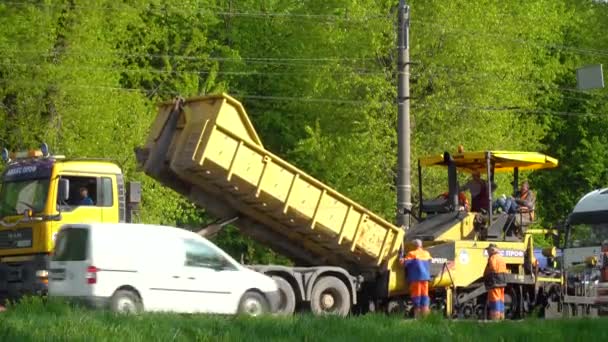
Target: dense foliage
{"type": "Point", "coordinates": [317, 78]}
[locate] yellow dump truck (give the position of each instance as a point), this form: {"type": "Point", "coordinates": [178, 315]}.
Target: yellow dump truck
{"type": "Point", "coordinates": [40, 192]}
{"type": "Point", "coordinates": [207, 150]}
{"type": "Point", "coordinates": [346, 257]}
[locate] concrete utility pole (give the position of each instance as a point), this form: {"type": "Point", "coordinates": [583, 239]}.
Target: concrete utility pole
{"type": "Point", "coordinates": [404, 183]}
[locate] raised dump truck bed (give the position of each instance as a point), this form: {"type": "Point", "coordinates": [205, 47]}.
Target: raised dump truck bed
{"type": "Point", "coordinates": [207, 149]}
{"type": "Point", "coordinates": [215, 150]}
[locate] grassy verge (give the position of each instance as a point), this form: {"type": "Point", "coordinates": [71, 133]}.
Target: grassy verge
{"type": "Point", "coordinates": [54, 321]}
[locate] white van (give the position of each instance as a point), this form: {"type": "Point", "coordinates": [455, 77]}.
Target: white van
{"type": "Point", "coordinates": [136, 267]}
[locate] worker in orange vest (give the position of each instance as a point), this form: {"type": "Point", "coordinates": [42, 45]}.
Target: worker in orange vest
{"type": "Point", "coordinates": [418, 270]}
{"type": "Point", "coordinates": [604, 262]}
{"type": "Point", "coordinates": [495, 281]}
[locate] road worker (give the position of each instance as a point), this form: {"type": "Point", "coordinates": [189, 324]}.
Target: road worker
{"type": "Point", "coordinates": [479, 191]}
{"type": "Point", "coordinates": [604, 262]}
{"type": "Point", "coordinates": [418, 271]}
{"type": "Point", "coordinates": [495, 281]}
{"type": "Point", "coordinates": [463, 201]}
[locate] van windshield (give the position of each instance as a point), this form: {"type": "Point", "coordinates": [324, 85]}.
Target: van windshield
{"type": "Point", "coordinates": [71, 245]}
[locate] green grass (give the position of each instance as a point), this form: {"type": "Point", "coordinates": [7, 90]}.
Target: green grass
{"type": "Point", "coordinates": [55, 321]}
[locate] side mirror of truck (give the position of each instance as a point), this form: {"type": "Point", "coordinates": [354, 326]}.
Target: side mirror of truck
{"type": "Point", "coordinates": [63, 190]}
{"type": "Point", "coordinates": [134, 192]}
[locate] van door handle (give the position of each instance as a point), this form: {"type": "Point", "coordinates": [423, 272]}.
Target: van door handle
{"type": "Point", "coordinates": [176, 277]}
{"type": "Point", "coordinates": [191, 278]}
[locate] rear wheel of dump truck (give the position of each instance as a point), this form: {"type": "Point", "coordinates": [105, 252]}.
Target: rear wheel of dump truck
{"type": "Point", "coordinates": [398, 307]}
{"type": "Point", "coordinates": [330, 296]}
{"type": "Point", "coordinates": [287, 303]}
{"type": "Point", "coordinates": [126, 302]}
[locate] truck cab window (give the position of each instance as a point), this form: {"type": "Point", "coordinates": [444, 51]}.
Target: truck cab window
{"type": "Point", "coordinates": [105, 195]}
{"type": "Point", "coordinates": [83, 191]}
{"type": "Point", "coordinates": [18, 196]}
{"type": "Point", "coordinates": [200, 255]}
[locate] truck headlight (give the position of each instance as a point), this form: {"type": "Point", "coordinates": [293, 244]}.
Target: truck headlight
{"type": "Point", "coordinates": [43, 276]}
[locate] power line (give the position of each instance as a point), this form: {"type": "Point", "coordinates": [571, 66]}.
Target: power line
{"type": "Point", "coordinates": [249, 61]}
{"type": "Point", "coordinates": [187, 57]}
{"type": "Point", "coordinates": [259, 97]}
{"type": "Point", "coordinates": [235, 93]}
{"type": "Point", "coordinates": [312, 100]}
{"type": "Point", "coordinates": [510, 38]}
{"type": "Point", "coordinates": [351, 72]}
{"type": "Point", "coordinates": [513, 109]}
{"type": "Point", "coordinates": [474, 74]}
{"type": "Point", "coordinates": [224, 12]}
{"type": "Point", "coordinates": [450, 71]}
{"type": "Point", "coordinates": [191, 72]}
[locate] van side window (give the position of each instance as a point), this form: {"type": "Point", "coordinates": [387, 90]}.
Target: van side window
{"type": "Point", "coordinates": [72, 245]}
{"type": "Point", "coordinates": [200, 255]}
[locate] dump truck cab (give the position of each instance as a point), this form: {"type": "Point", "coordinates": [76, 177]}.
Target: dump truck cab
{"type": "Point", "coordinates": [457, 238]}
{"type": "Point", "coordinates": [39, 193]}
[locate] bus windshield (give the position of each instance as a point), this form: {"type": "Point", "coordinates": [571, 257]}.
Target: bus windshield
{"type": "Point", "coordinates": [18, 196]}
{"type": "Point", "coordinates": [588, 235]}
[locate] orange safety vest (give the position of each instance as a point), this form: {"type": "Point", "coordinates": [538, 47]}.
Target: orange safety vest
{"type": "Point", "coordinates": [495, 272]}
{"type": "Point", "coordinates": [418, 265]}
{"type": "Point", "coordinates": [525, 210]}
{"type": "Point", "coordinates": [604, 269]}
{"type": "Point", "coordinates": [462, 200]}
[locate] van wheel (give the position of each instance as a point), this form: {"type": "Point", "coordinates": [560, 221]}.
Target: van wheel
{"type": "Point", "coordinates": [287, 305]}
{"type": "Point", "coordinates": [253, 304]}
{"type": "Point", "coordinates": [126, 302]}
{"type": "Point", "coordinates": [330, 296]}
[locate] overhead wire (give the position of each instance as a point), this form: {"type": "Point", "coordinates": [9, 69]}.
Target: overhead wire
{"type": "Point", "coordinates": [270, 60]}
{"type": "Point", "coordinates": [193, 72]}
{"type": "Point", "coordinates": [260, 97]}
{"type": "Point", "coordinates": [510, 38]}
{"type": "Point", "coordinates": [481, 75]}
{"type": "Point", "coordinates": [198, 72]}
{"type": "Point", "coordinates": [388, 18]}
{"type": "Point", "coordinates": [222, 11]}
{"type": "Point", "coordinates": [279, 60]}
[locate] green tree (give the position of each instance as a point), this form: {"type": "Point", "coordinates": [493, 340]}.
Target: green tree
{"type": "Point", "coordinates": [576, 130]}
{"type": "Point", "coordinates": [318, 79]}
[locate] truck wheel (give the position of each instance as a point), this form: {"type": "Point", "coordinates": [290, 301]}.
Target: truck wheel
{"type": "Point", "coordinates": [287, 305]}
{"type": "Point", "coordinates": [125, 301]}
{"type": "Point", "coordinates": [396, 307]}
{"type": "Point", "coordinates": [330, 296]}
{"type": "Point", "coordinates": [253, 304]}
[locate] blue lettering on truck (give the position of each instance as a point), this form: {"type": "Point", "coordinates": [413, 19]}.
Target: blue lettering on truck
{"type": "Point", "coordinates": [28, 170]}
{"type": "Point", "coordinates": [508, 253]}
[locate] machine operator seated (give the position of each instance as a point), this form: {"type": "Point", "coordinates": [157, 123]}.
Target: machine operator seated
{"type": "Point", "coordinates": [478, 188]}
{"type": "Point", "coordinates": [521, 205]}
